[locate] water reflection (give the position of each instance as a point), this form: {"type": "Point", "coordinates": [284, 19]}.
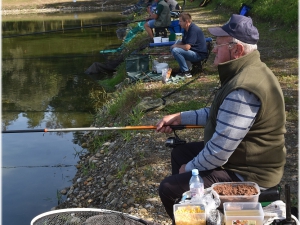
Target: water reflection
{"type": "Point", "coordinates": [44, 85]}
{"type": "Point", "coordinates": [41, 86]}
{"type": "Point", "coordinates": [42, 73]}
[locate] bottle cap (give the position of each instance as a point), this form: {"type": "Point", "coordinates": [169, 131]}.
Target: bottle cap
{"type": "Point", "coordinates": [195, 172]}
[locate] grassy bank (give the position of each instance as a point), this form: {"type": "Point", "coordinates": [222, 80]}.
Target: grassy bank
{"type": "Point", "coordinates": [281, 12]}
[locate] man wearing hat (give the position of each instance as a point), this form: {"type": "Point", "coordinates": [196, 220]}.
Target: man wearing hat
{"type": "Point", "coordinates": [244, 126]}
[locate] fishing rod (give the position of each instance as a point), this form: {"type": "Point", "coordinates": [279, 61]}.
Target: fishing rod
{"type": "Point", "coordinates": [50, 57]}
{"type": "Point", "coordinates": [153, 53]}
{"type": "Point", "coordinates": [74, 28]}
{"type": "Point", "coordinates": [179, 88]}
{"type": "Point", "coordinates": [45, 130]}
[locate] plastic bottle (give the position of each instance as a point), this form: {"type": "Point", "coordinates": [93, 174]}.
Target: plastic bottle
{"type": "Point", "coordinates": [196, 185]}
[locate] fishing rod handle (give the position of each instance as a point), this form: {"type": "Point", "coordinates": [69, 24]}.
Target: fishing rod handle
{"type": "Point", "coordinates": [181, 127]}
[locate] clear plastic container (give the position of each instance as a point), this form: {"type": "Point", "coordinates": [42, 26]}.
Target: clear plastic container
{"type": "Point", "coordinates": [243, 213]}
{"type": "Point", "coordinates": [236, 198]}
{"type": "Point", "coordinates": [157, 39]}
{"type": "Point", "coordinates": [189, 214]}
{"type": "Point", "coordinates": [165, 40]}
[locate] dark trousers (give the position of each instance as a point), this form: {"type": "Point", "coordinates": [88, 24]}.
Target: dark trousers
{"type": "Point", "coordinates": [172, 187]}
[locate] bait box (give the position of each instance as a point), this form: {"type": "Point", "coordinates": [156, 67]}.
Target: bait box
{"type": "Point", "coordinates": [236, 198]}
{"type": "Point", "coordinates": [189, 218]}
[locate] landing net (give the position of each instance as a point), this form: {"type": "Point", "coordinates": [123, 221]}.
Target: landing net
{"type": "Point", "coordinates": [86, 216]}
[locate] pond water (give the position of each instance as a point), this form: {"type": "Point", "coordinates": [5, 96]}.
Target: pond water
{"type": "Point", "coordinates": [44, 86]}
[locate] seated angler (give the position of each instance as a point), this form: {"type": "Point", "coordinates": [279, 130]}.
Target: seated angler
{"type": "Point", "coordinates": [192, 47]}
{"type": "Point", "coordinates": [244, 126]}
{"type": "Point", "coordinates": [161, 17]}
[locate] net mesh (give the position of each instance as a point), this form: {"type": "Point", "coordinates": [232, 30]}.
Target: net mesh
{"type": "Point", "coordinates": [86, 217]}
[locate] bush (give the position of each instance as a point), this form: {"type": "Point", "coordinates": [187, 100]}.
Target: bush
{"type": "Point", "coordinates": [285, 12]}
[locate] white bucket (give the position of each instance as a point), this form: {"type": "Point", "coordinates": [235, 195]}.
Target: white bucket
{"type": "Point", "coordinates": [157, 39]}
{"type": "Point", "coordinates": [161, 66]}
{"type": "Point", "coordinates": [165, 40]}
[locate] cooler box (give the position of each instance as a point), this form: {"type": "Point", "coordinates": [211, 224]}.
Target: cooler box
{"type": "Point", "coordinates": [175, 27]}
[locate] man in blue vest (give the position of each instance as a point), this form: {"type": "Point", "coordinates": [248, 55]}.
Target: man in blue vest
{"type": "Point", "coordinates": [160, 17]}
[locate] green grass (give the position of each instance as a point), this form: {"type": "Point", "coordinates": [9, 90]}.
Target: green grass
{"type": "Point", "coordinates": [99, 140]}
{"type": "Point", "coordinates": [122, 170]}
{"type": "Point", "coordinates": [278, 11]}
{"type": "Point", "coordinates": [124, 101]}
{"type": "Point", "coordinates": [109, 84]}
{"type": "Point", "coordinates": [182, 106]}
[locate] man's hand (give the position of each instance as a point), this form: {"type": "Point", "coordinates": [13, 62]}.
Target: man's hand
{"type": "Point", "coordinates": [162, 125]}
{"type": "Point", "coordinates": [177, 43]}
{"type": "Point", "coordinates": [182, 169]}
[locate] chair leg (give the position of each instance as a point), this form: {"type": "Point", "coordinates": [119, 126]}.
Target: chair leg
{"type": "Point", "coordinates": [161, 31]}
{"type": "Point", "coordinates": [165, 33]}
{"type": "Point", "coordinates": [196, 68]}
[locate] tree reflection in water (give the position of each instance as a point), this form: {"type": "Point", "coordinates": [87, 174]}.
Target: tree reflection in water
{"type": "Point", "coordinates": [45, 73]}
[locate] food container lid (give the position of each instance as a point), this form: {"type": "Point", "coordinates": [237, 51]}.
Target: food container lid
{"type": "Point", "coordinates": [238, 207]}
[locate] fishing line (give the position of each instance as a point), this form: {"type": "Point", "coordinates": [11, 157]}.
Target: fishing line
{"type": "Point", "coordinates": [73, 28]}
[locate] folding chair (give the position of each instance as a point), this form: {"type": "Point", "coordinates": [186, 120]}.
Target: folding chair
{"type": "Point", "coordinates": [197, 67]}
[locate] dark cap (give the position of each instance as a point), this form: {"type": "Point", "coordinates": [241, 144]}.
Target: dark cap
{"type": "Point", "coordinates": [239, 27]}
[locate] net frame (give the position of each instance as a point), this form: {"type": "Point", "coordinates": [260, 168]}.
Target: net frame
{"type": "Point", "coordinates": [63, 216]}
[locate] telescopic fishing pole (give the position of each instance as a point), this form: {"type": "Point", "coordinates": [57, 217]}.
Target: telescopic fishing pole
{"type": "Point", "coordinates": [74, 28]}
{"type": "Point", "coordinates": [45, 130]}
{"type": "Point", "coordinates": [153, 53]}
